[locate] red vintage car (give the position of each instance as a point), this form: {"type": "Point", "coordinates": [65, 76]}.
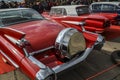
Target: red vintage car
{"type": "Point", "coordinates": [69, 14]}
{"type": "Point", "coordinates": [109, 9]}
{"type": "Point", "coordinates": [42, 48]}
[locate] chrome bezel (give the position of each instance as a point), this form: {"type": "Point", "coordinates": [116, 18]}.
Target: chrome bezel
{"type": "Point", "coordinates": [63, 39]}
{"type": "Point", "coordinates": [44, 71]}
{"type": "Point", "coordinates": [42, 74]}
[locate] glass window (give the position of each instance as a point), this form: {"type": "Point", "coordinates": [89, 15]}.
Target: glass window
{"type": "Point", "coordinates": [96, 7]}
{"type": "Point", "coordinates": [82, 10]}
{"type": "Point", "coordinates": [108, 7]}
{"type": "Point", "coordinates": [18, 16]}
{"type": "Point", "coordinates": [58, 11]}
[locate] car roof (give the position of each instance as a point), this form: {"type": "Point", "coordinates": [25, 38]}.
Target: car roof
{"type": "Point", "coordinates": [70, 9]}
{"type": "Point", "coordinates": [10, 9]}
{"type": "Point", "coordinates": [114, 3]}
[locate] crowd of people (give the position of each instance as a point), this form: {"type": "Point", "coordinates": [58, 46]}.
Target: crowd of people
{"type": "Point", "coordinates": [12, 4]}
{"type": "Point", "coordinates": [41, 5]}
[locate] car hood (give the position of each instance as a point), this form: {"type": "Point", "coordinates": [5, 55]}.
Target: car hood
{"type": "Point", "coordinates": [40, 34]}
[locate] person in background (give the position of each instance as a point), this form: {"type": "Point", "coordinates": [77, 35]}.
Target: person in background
{"type": "Point", "coordinates": [3, 5]}
{"type": "Point", "coordinates": [38, 7]}
{"type": "Point", "coordinates": [73, 2]}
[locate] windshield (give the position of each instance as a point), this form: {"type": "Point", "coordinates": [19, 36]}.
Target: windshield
{"type": "Point", "coordinates": [104, 8]}
{"type": "Point", "coordinates": [8, 17]}
{"type": "Point", "coordinates": [58, 11]}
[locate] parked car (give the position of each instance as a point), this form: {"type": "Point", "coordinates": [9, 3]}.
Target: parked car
{"type": "Point", "coordinates": [67, 10]}
{"type": "Point", "coordinates": [79, 13]}
{"type": "Point", "coordinates": [107, 9]}
{"type": "Point", "coordinates": [42, 48]}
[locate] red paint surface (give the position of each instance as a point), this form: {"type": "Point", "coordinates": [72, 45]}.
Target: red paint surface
{"type": "Point", "coordinates": [4, 67]}
{"type": "Point", "coordinates": [39, 32]}
{"type": "Point", "coordinates": [112, 32]}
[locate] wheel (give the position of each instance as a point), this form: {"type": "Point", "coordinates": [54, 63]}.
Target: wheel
{"type": "Point", "coordinates": [115, 56]}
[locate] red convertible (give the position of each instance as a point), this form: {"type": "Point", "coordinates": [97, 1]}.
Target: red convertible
{"type": "Point", "coordinates": [69, 14]}
{"type": "Point", "coordinates": [42, 48]}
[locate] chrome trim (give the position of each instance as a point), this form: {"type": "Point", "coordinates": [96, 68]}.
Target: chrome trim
{"type": "Point", "coordinates": [42, 50]}
{"type": "Point", "coordinates": [12, 39]}
{"type": "Point", "coordinates": [44, 71]}
{"type": "Point", "coordinates": [19, 43]}
{"type": "Point", "coordinates": [77, 60]}
{"type": "Point", "coordinates": [63, 39]}
{"type": "Point", "coordinates": [73, 62]}
{"type": "Point", "coordinates": [25, 51]}
{"type": "Point", "coordinates": [35, 61]}
{"type": "Point", "coordinates": [76, 23]}
{"type": "Point", "coordinates": [60, 37]}
{"type": "Point", "coordinates": [11, 61]}
{"type": "Point", "coordinates": [42, 74]}
{"type": "Point", "coordinates": [100, 39]}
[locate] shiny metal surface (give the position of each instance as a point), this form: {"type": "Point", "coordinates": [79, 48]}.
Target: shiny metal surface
{"type": "Point", "coordinates": [66, 40]}
{"type": "Point", "coordinates": [44, 71]}
{"type": "Point", "coordinates": [45, 74]}
{"type": "Point", "coordinates": [73, 62]}
{"type": "Point", "coordinates": [77, 60]}
{"type": "Point", "coordinates": [76, 44]}
{"type": "Point", "coordinates": [42, 50]}
{"type": "Point", "coordinates": [11, 61]}
{"type": "Point", "coordinates": [81, 24]}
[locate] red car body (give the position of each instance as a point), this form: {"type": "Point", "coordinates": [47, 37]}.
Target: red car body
{"type": "Point", "coordinates": [41, 48]}
{"type": "Point", "coordinates": [110, 10]}
{"type": "Point", "coordinates": [95, 22]}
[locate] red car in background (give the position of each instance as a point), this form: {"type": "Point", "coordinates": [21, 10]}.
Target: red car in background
{"type": "Point", "coordinates": [68, 14]}
{"type": "Point", "coordinates": [42, 48]}
{"type": "Point", "coordinates": [103, 23]}
{"type": "Point", "coordinates": [110, 10]}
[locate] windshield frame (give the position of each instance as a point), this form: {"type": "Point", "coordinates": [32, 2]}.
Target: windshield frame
{"type": "Point", "coordinates": [16, 16]}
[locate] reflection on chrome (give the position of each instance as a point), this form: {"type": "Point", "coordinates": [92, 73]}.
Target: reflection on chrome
{"type": "Point", "coordinates": [70, 42]}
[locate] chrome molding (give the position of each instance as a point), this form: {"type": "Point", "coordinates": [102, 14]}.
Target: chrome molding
{"type": "Point", "coordinates": [35, 61]}
{"type": "Point", "coordinates": [81, 24]}
{"type": "Point", "coordinates": [13, 40]}
{"type": "Point", "coordinates": [61, 36]}
{"type": "Point", "coordinates": [25, 51]}
{"type": "Point", "coordinates": [73, 62]}
{"type": "Point", "coordinates": [77, 60]}
{"type": "Point", "coordinates": [62, 41]}
{"type": "Point", "coordinates": [42, 50]}
{"type": "Point", "coordinates": [44, 71]}
{"type": "Point", "coordinates": [42, 74]}
{"type": "Point", "coordinates": [100, 39]}
{"type": "Point", "coordinates": [11, 61]}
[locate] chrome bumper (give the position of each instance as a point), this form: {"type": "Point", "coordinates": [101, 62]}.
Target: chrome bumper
{"type": "Point", "coordinates": [73, 62]}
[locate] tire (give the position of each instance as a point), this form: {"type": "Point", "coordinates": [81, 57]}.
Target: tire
{"type": "Point", "coordinates": [115, 56]}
